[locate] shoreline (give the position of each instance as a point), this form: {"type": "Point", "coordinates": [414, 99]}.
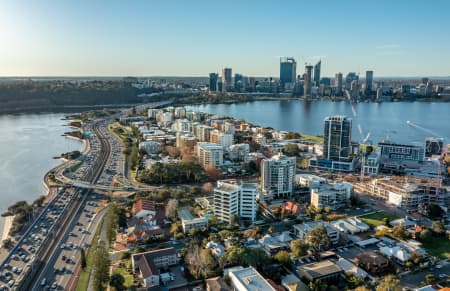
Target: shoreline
{"type": "Point", "coordinates": [8, 221]}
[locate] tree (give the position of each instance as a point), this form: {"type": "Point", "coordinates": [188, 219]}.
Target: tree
{"type": "Point", "coordinates": [171, 208]}
{"type": "Point", "coordinates": [438, 227]}
{"type": "Point", "coordinates": [283, 258]}
{"type": "Point", "coordinates": [212, 172]}
{"type": "Point", "coordinates": [291, 150]}
{"type": "Point", "coordinates": [234, 219]}
{"type": "Point", "coordinates": [83, 259]}
{"type": "Point", "coordinates": [299, 247]}
{"type": "Point", "coordinates": [101, 268]}
{"type": "Point", "coordinates": [435, 210]}
{"type": "Point", "coordinates": [208, 188]}
{"type": "Point", "coordinates": [201, 263]}
{"type": "Point", "coordinates": [318, 238]}
{"type": "Point", "coordinates": [390, 283]}
{"type": "Point", "coordinates": [7, 243]}
{"type": "Point", "coordinates": [173, 151]}
{"type": "Point", "coordinates": [425, 235]}
{"type": "Point", "coordinates": [117, 281]}
{"type": "Point", "coordinates": [430, 279]}
{"type": "Point", "coordinates": [400, 232]}
{"type": "Point", "coordinates": [362, 288]}
{"type": "Point", "coordinates": [415, 257]}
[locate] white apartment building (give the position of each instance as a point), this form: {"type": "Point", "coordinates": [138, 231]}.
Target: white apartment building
{"type": "Point", "coordinates": [221, 138]}
{"type": "Point", "coordinates": [248, 279]}
{"type": "Point", "coordinates": [331, 195]}
{"type": "Point", "coordinates": [209, 154]}
{"type": "Point", "coordinates": [237, 152]}
{"type": "Point", "coordinates": [233, 197]}
{"type": "Point", "coordinates": [277, 177]}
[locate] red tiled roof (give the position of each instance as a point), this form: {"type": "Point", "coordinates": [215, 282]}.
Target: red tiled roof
{"type": "Point", "coordinates": [143, 204]}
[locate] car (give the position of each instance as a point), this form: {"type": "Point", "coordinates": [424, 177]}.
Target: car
{"type": "Point", "coordinates": [63, 246]}
{"type": "Point", "coordinates": [43, 282]}
{"type": "Point", "coordinates": [54, 285]}
{"type": "Point", "coordinates": [11, 283]}
{"type": "Point", "coordinates": [438, 266]}
{"type": "Point", "coordinates": [63, 258]}
{"type": "Point", "coordinates": [442, 276]}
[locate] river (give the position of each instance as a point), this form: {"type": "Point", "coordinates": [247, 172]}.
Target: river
{"type": "Point", "coordinates": [28, 144]}
{"type": "Point", "coordinates": [382, 120]}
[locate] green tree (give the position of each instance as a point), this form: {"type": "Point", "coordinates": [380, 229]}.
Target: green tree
{"type": "Point", "coordinates": [400, 232]}
{"type": "Point", "coordinates": [425, 235]}
{"type": "Point", "coordinates": [438, 227]}
{"type": "Point", "coordinates": [117, 281]}
{"type": "Point", "coordinates": [430, 279]}
{"type": "Point", "coordinates": [389, 283]}
{"type": "Point", "coordinates": [101, 268]}
{"type": "Point", "coordinates": [291, 150]}
{"type": "Point", "coordinates": [299, 247]}
{"type": "Point", "coordinates": [318, 238]}
{"type": "Point", "coordinates": [283, 258]}
{"type": "Point", "coordinates": [83, 259]}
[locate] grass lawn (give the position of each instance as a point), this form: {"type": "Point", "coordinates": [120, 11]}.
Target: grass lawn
{"type": "Point", "coordinates": [438, 246]}
{"type": "Point", "coordinates": [83, 281]}
{"type": "Point", "coordinates": [312, 137]}
{"type": "Point", "coordinates": [376, 219]}
{"type": "Point", "coordinates": [127, 276]}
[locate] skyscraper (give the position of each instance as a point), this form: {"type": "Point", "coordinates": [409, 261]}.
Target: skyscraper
{"type": "Point", "coordinates": [338, 83]}
{"type": "Point", "coordinates": [349, 79]}
{"type": "Point", "coordinates": [337, 138]}
{"type": "Point", "coordinates": [288, 70]}
{"type": "Point", "coordinates": [317, 73]}
{"type": "Point", "coordinates": [213, 77]}
{"type": "Point", "coordinates": [238, 82]}
{"type": "Point", "coordinates": [308, 80]}
{"type": "Point", "coordinates": [369, 81]}
{"type": "Point", "coordinates": [227, 83]}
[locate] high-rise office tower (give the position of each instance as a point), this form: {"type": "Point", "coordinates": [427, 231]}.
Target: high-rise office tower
{"type": "Point", "coordinates": [238, 82]}
{"type": "Point", "coordinates": [308, 80]}
{"type": "Point", "coordinates": [338, 83]}
{"type": "Point", "coordinates": [317, 73]}
{"type": "Point", "coordinates": [349, 79]}
{"type": "Point", "coordinates": [213, 77]}
{"type": "Point", "coordinates": [227, 83]}
{"type": "Point", "coordinates": [288, 70]}
{"type": "Point", "coordinates": [369, 81]}
{"type": "Point", "coordinates": [337, 138]}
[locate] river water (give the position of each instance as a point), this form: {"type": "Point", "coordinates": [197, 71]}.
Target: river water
{"type": "Point", "coordinates": [27, 146]}
{"type": "Point", "coordinates": [382, 120]}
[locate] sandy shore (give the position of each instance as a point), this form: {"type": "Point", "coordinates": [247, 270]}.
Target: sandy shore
{"type": "Point", "coordinates": [7, 226]}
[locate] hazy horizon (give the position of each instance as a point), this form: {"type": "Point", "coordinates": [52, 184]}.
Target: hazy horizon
{"type": "Point", "coordinates": [404, 38]}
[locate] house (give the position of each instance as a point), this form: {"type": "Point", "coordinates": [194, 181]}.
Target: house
{"type": "Point", "coordinates": [293, 283]}
{"type": "Point", "coordinates": [397, 253]}
{"type": "Point", "coordinates": [143, 208]}
{"type": "Point", "coordinates": [272, 245]}
{"type": "Point", "coordinates": [149, 264]}
{"type": "Point", "coordinates": [324, 271]}
{"type": "Point", "coordinates": [372, 262]}
{"type": "Point", "coordinates": [349, 267]}
{"type": "Point", "coordinates": [293, 208]}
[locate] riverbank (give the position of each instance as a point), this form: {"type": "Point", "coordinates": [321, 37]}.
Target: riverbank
{"type": "Point", "coordinates": [7, 226]}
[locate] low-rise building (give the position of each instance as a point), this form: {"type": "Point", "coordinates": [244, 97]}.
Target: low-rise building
{"type": "Point", "coordinates": [323, 271]}
{"type": "Point", "coordinates": [237, 152]}
{"type": "Point", "coordinates": [248, 279]}
{"type": "Point", "coordinates": [331, 195]}
{"type": "Point", "coordinates": [150, 147]}
{"type": "Point", "coordinates": [148, 264]}
{"type": "Point", "coordinates": [302, 230]}
{"type": "Point", "coordinates": [309, 181]}
{"type": "Point", "coordinates": [221, 138]}
{"type": "Point", "coordinates": [144, 208]}
{"type": "Point", "coordinates": [372, 262]}
{"type": "Point", "coordinates": [188, 221]}
{"type": "Point", "coordinates": [406, 192]}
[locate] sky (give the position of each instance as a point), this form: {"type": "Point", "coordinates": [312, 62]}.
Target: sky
{"type": "Point", "coordinates": [194, 38]}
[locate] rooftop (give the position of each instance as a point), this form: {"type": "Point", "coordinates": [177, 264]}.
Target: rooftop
{"type": "Point", "coordinates": [320, 269]}
{"type": "Point", "coordinates": [250, 279]}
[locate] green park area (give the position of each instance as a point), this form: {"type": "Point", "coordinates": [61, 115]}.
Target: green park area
{"type": "Point", "coordinates": [378, 218]}
{"type": "Point", "coordinates": [438, 246]}
{"type": "Point", "coordinates": [312, 137]}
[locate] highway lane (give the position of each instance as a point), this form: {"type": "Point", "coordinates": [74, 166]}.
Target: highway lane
{"type": "Point", "coordinates": [52, 261]}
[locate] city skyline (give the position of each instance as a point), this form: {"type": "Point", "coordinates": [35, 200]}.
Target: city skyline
{"type": "Point", "coordinates": [177, 39]}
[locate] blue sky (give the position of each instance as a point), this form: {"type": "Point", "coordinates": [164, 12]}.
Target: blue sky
{"type": "Point", "coordinates": [193, 38]}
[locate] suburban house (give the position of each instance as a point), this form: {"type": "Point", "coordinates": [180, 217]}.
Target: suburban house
{"type": "Point", "coordinates": [143, 208]}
